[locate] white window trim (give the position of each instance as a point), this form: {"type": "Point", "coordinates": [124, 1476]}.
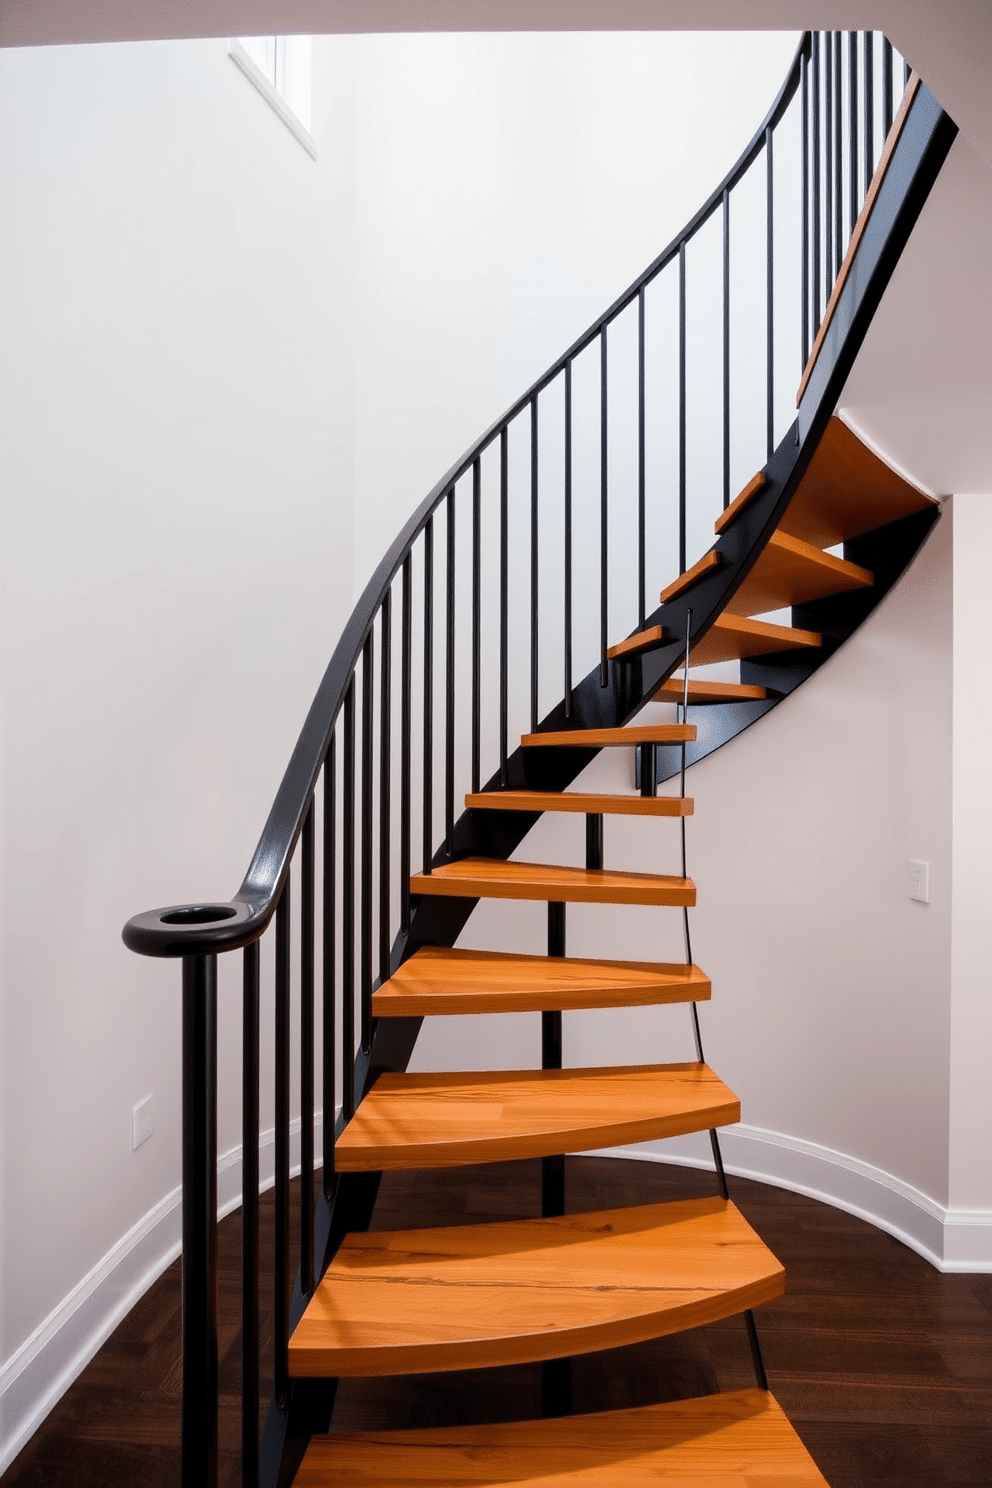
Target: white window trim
{"type": "Point", "coordinates": [275, 100]}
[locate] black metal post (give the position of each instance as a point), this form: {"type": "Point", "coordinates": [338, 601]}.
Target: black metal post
{"type": "Point", "coordinates": [641, 493]}
{"type": "Point", "coordinates": [567, 592]}
{"type": "Point", "coordinates": [869, 108]}
{"type": "Point", "coordinates": [329, 964]}
{"type": "Point", "coordinates": [449, 677]}
{"type": "Point", "coordinates": [476, 622]}
{"type": "Point", "coordinates": [504, 601]}
{"type": "Point", "coordinates": [817, 302]}
{"type": "Point", "coordinates": [604, 513]}
{"type": "Point", "coordinates": [838, 149]}
{"type": "Point", "coordinates": [886, 87]}
{"type": "Point", "coordinates": [307, 928]}
{"type": "Point", "coordinates": [534, 568]}
{"type": "Point", "coordinates": [385, 778]}
{"type": "Point", "coordinates": [249, 1215]}
{"type": "Point", "coordinates": [199, 1278]}
{"type": "Point", "coordinates": [366, 859]}
{"type": "Point", "coordinates": [348, 911]}
{"type": "Point", "coordinates": [427, 829]}
{"type": "Point", "coordinates": [726, 348]}
{"type": "Point", "coordinates": [280, 1265]}
{"type": "Point", "coordinates": [682, 411]}
{"type": "Point", "coordinates": [769, 294]}
{"type": "Point", "coordinates": [828, 155]}
{"type": "Point", "coordinates": [804, 261]}
{"type": "Point", "coordinates": [855, 199]}
{"type": "Point", "coordinates": [406, 729]}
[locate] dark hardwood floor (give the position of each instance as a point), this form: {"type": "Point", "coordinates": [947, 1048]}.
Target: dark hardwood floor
{"type": "Point", "coordinates": [883, 1365]}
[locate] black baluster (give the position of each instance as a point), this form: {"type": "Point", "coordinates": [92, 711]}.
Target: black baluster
{"type": "Point", "coordinates": [682, 419]}
{"type": "Point", "coordinates": [329, 963]}
{"type": "Point", "coordinates": [726, 348]}
{"type": "Point", "coordinates": [249, 1215]}
{"type": "Point", "coordinates": [641, 435]}
{"type": "Point", "coordinates": [534, 568]}
{"type": "Point", "coordinates": [852, 63]}
{"type": "Point", "coordinates": [886, 87]}
{"type": "Point", "coordinates": [199, 1271]}
{"type": "Point", "coordinates": [838, 150]}
{"type": "Point", "coordinates": [307, 923]}
{"type": "Point", "coordinates": [348, 911]}
{"type": "Point", "coordinates": [869, 109]}
{"type": "Point", "coordinates": [604, 513]}
{"type": "Point", "coordinates": [280, 1300]}
{"type": "Point", "coordinates": [449, 677]}
{"type": "Point", "coordinates": [366, 961]}
{"type": "Point", "coordinates": [406, 729]}
{"type": "Point", "coordinates": [385, 779]}
{"type": "Point", "coordinates": [804, 264]}
{"type": "Point", "coordinates": [828, 154]}
{"type": "Point", "coordinates": [504, 559]}
{"type": "Point", "coordinates": [428, 813]}
{"type": "Point", "coordinates": [769, 294]}
{"type": "Point", "coordinates": [567, 618]}
{"type": "Point", "coordinates": [817, 170]}
{"type": "Point", "coordinates": [476, 623]}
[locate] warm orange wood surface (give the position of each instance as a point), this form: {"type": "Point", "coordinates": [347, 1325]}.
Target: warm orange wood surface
{"type": "Point", "coordinates": [888, 148]}
{"type": "Point", "coordinates": [846, 491]}
{"type": "Point", "coordinates": [491, 878]}
{"type": "Point", "coordinates": [733, 636]}
{"type": "Point", "coordinates": [446, 1120]}
{"type": "Point", "coordinates": [468, 1296]}
{"type": "Point", "coordinates": [707, 564]}
{"type": "Point", "coordinates": [644, 640]}
{"type": "Point", "coordinates": [598, 805]}
{"type": "Point", "coordinates": [754, 487]}
{"type": "Point", "coordinates": [732, 1440]}
{"type": "Point", "coordinates": [701, 691]}
{"type": "Point", "coordinates": [792, 572]}
{"type": "Point", "coordinates": [615, 738]}
{"type": "Point", "coordinates": [436, 980]}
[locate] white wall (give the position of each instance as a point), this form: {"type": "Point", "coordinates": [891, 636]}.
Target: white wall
{"type": "Point", "coordinates": [176, 405]}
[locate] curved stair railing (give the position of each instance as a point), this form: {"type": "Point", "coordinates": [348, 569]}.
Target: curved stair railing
{"type": "Point", "coordinates": [492, 613]}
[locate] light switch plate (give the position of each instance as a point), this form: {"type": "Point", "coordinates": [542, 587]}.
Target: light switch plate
{"type": "Point", "coordinates": [919, 881]}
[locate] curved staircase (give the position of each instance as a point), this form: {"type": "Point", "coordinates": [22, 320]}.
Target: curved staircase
{"type": "Point", "coordinates": [341, 836]}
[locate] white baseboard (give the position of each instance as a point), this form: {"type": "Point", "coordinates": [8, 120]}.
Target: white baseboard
{"type": "Point", "coordinates": [950, 1239]}
{"type": "Point", "coordinates": [34, 1378]}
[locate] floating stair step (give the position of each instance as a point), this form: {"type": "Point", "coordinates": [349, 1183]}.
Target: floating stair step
{"type": "Point", "coordinates": [614, 738]}
{"type": "Point", "coordinates": [731, 637]}
{"type": "Point", "coordinates": [847, 491]}
{"type": "Point", "coordinates": [447, 1120]}
{"type": "Point", "coordinates": [754, 488]}
{"type": "Point", "coordinates": [737, 1440]}
{"type": "Point", "coordinates": [436, 980]}
{"type": "Point", "coordinates": [637, 645]}
{"type": "Point", "coordinates": [580, 801]}
{"type": "Point", "coordinates": [491, 878]}
{"type": "Point", "coordinates": [472, 1296]}
{"type": "Point", "coordinates": [701, 691]}
{"type": "Point", "coordinates": [709, 563]}
{"type": "Point", "coordinates": [792, 572]}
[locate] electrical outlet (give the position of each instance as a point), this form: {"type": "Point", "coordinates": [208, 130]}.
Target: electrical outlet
{"type": "Point", "coordinates": [919, 881]}
{"type": "Point", "coordinates": [142, 1125]}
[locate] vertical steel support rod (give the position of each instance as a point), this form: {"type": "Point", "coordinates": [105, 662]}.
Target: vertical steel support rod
{"type": "Point", "coordinates": [886, 88]}
{"type": "Point", "coordinates": [307, 971]}
{"type": "Point", "coordinates": [476, 622]}
{"type": "Point", "coordinates": [449, 677]}
{"type": "Point", "coordinates": [641, 475]}
{"type": "Point", "coordinates": [852, 67]}
{"type": "Point", "coordinates": [828, 156]}
{"type": "Point", "coordinates": [199, 1277]}
{"type": "Point", "coordinates": [504, 560]}
{"type": "Point", "coordinates": [385, 779]}
{"type": "Point", "coordinates": [804, 261]}
{"type": "Point", "coordinates": [604, 512]}
{"type": "Point", "coordinates": [682, 419]}
{"type": "Point", "coordinates": [406, 729]}
{"type": "Point", "coordinates": [427, 828]}
{"type": "Point", "coordinates": [726, 349]}
{"type": "Point", "coordinates": [280, 1268]}
{"type": "Point", "coordinates": [839, 149]}
{"type": "Point", "coordinates": [817, 168]}
{"type": "Point", "coordinates": [367, 756]}
{"type": "Point", "coordinates": [348, 911]}
{"type": "Point", "coordinates": [534, 568]}
{"type": "Point", "coordinates": [329, 963]}
{"type": "Point", "coordinates": [567, 593]}
{"type": "Point", "coordinates": [249, 1214]}
{"type": "Point", "coordinates": [769, 293]}
{"type": "Point", "coordinates": [869, 92]}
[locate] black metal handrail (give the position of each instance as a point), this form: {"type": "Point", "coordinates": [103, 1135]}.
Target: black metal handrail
{"type": "Point", "coordinates": [330, 837]}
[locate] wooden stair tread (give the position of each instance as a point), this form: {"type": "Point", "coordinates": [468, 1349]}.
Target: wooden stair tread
{"type": "Point", "coordinates": [469, 1296]}
{"type": "Point", "coordinates": [731, 637]}
{"type": "Point", "coordinates": [701, 691]}
{"type": "Point", "coordinates": [740, 1439]}
{"type": "Point", "coordinates": [847, 491]}
{"type": "Point", "coordinates": [637, 644]}
{"type": "Point", "coordinates": [614, 738]}
{"type": "Point", "coordinates": [436, 980]}
{"type": "Point", "coordinates": [709, 563]}
{"type": "Point", "coordinates": [447, 1120]}
{"type": "Point", "coordinates": [792, 572]}
{"type": "Point", "coordinates": [492, 878]}
{"type": "Point", "coordinates": [754, 487]}
{"type": "Point", "coordinates": [580, 801]}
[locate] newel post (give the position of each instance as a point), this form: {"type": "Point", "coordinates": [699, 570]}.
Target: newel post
{"type": "Point", "coordinates": [199, 1275]}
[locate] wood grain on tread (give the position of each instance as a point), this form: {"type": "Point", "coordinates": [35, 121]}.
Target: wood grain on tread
{"type": "Point", "coordinates": [447, 1120]}
{"type": "Point", "coordinates": [436, 980]}
{"type": "Point", "coordinates": [734, 1440]}
{"type": "Point", "coordinates": [754, 487]}
{"type": "Point", "coordinates": [470, 1296]}
{"type": "Point", "coordinates": [580, 801]}
{"type": "Point", "coordinates": [614, 738]}
{"type": "Point", "coordinates": [709, 563]}
{"type": "Point", "coordinates": [492, 878]}
{"type": "Point", "coordinates": [636, 645]}
{"type": "Point", "coordinates": [731, 637]}
{"type": "Point", "coordinates": [847, 491]}
{"type": "Point", "coordinates": [792, 572]}
{"type": "Point", "coordinates": [701, 691]}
